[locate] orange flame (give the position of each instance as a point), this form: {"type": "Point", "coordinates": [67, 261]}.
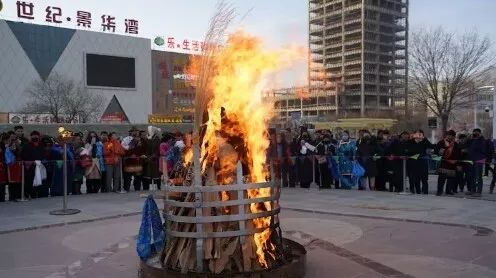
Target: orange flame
{"type": "Point", "coordinates": [236, 111]}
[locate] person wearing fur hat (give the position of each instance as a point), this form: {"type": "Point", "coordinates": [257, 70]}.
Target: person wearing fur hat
{"type": "Point", "coordinates": [151, 174]}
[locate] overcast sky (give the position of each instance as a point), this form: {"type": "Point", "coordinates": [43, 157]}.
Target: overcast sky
{"type": "Point", "coordinates": [278, 22]}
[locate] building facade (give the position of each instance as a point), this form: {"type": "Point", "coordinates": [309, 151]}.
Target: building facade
{"type": "Point", "coordinates": [114, 66]}
{"type": "Point", "coordinates": [359, 58]}
{"type": "Point", "coordinates": [484, 110]}
{"type": "Point", "coordinates": [173, 94]}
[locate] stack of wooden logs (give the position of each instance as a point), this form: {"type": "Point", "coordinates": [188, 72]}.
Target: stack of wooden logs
{"type": "Point", "coordinates": [220, 255]}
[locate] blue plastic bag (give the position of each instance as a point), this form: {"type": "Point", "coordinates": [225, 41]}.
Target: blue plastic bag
{"type": "Point", "coordinates": [333, 167]}
{"type": "Point", "coordinates": [151, 236]}
{"type": "Point", "coordinates": [9, 156]}
{"type": "Point", "coordinates": [357, 171]}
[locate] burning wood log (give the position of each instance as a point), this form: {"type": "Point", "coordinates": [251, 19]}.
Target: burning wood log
{"type": "Point", "coordinates": [220, 254]}
{"type": "Point", "coordinates": [220, 224]}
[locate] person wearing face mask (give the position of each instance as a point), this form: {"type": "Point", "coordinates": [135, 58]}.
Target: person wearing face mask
{"type": "Point", "coordinates": [346, 151]}
{"type": "Point", "coordinates": [383, 176]}
{"type": "Point", "coordinates": [396, 153]}
{"type": "Point", "coordinates": [31, 152]}
{"type": "Point", "coordinates": [418, 168]}
{"type": "Point", "coordinates": [450, 151]}
{"type": "Point", "coordinates": [324, 150]}
{"type": "Point", "coordinates": [477, 153]}
{"type": "Point", "coordinates": [305, 157]}
{"type": "Point", "coordinates": [367, 150]}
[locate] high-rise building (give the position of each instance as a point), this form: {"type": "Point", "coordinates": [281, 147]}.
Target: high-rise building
{"type": "Point", "coordinates": [358, 64]}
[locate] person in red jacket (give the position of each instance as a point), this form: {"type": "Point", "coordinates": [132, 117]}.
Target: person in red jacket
{"type": "Point", "coordinates": [113, 152]}
{"type": "Point", "coordinates": [14, 170]}
{"type": "Point", "coordinates": [3, 167]}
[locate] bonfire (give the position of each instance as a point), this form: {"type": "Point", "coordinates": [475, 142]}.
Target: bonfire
{"type": "Point", "coordinates": [230, 143]}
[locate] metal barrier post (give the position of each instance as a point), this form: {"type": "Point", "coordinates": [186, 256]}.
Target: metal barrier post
{"type": "Point", "coordinates": [165, 173]}
{"type": "Point", "coordinates": [313, 173]}
{"type": "Point", "coordinates": [22, 183]}
{"type": "Point", "coordinates": [404, 191]}
{"type": "Point", "coordinates": [121, 165]}
{"type": "Point", "coordinates": [65, 210]}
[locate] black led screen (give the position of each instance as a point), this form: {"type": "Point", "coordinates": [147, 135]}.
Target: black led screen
{"type": "Point", "coordinates": [110, 71]}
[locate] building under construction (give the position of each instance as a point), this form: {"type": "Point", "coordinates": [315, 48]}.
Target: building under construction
{"type": "Point", "coordinates": [358, 64]}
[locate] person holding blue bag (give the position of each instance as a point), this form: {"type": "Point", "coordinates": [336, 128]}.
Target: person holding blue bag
{"type": "Point", "coordinates": [346, 160]}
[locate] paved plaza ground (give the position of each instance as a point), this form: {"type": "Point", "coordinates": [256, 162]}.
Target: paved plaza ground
{"type": "Point", "coordinates": [346, 234]}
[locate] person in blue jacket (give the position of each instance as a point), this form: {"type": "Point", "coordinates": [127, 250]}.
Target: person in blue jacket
{"type": "Point", "coordinates": [346, 151]}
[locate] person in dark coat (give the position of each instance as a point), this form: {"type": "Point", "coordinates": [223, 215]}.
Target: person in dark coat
{"type": "Point", "coordinates": [49, 162]}
{"type": "Point", "coordinates": [3, 166]}
{"type": "Point", "coordinates": [14, 169]}
{"type": "Point", "coordinates": [19, 132]}
{"type": "Point", "coordinates": [293, 150]}
{"type": "Point", "coordinates": [418, 164]}
{"type": "Point", "coordinates": [450, 151]}
{"type": "Point", "coordinates": [31, 152]}
{"type": "Point", "coordinates": [284, 156]}
{"type": "Point", "coordinates": [77, 145]}
{"type": "Point", "coordinates": [305, 164]}
{"type": "Point", "coordinates": [367, 152]}
{"type": "Point", "coordinates": [325, 150]}
{"type": "Point", "coordinates": [490, 156]}
{"type": "Point", "coordinates": [151, 172]}
{"type": "Point", "coordinates": [463, 167]}
{"type": "Point", "coordinates": [396, 155]}
{"type": "Point", "coordinates": [133, 163]}
{"type": "Point", "coordinates": [383, 173]}
{"type": "Point", "coordinates": [477, 153]}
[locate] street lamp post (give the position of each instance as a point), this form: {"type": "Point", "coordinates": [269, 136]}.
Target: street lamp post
{"type": "Point", "coordinates": [64, 211]}
{"type": "Point", "coordinates": [494, 110]}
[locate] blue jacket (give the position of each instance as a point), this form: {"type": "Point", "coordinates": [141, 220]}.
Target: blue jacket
{"type": "Point", "coordinates": [99, 155]}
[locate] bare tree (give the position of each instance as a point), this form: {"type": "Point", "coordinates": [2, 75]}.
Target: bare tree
{"type": "Point", "coordinates": [446, 68]}
{"type": "Point", "coordinates": [48, 96]}
{"type": "Point", "coordinates": [80, 104]}
{"type": "Point", "coordinates": [58, 95]}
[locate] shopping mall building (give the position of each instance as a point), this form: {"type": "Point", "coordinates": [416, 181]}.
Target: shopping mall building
{"type": "Point", "coordinates": [137, 83]}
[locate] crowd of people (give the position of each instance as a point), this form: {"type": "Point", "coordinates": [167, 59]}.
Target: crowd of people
{"type": "Point", "coordinates": [382, 161]}
{"type": "Point", "coordinates": [97, 159]}
{"type": "Point", "coordinates": [106, 162]}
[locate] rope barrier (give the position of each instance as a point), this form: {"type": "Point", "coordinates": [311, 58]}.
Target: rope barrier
{"type": "Point", "coordinates": [356, 157]}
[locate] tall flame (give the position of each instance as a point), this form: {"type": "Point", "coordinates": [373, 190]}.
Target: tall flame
{"type": "Point", "coordinates": [236, 111]}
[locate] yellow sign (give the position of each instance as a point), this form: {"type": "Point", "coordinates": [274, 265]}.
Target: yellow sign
{"type": "Point", "coordinates": [164, 119]}
{"type": "Point", "coordinates": [184, 110]}
{"type": "Point", "coordinates": [358, 123]}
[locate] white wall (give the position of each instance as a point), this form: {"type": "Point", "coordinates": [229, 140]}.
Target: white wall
{"type": "Point", "coordinates": [17, 72]}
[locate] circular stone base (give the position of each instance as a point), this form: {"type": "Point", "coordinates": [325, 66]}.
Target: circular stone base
{"type": "Point", "coordinates": [65, 212]}
{"type": "Point", "coordinates": [294, 269]}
